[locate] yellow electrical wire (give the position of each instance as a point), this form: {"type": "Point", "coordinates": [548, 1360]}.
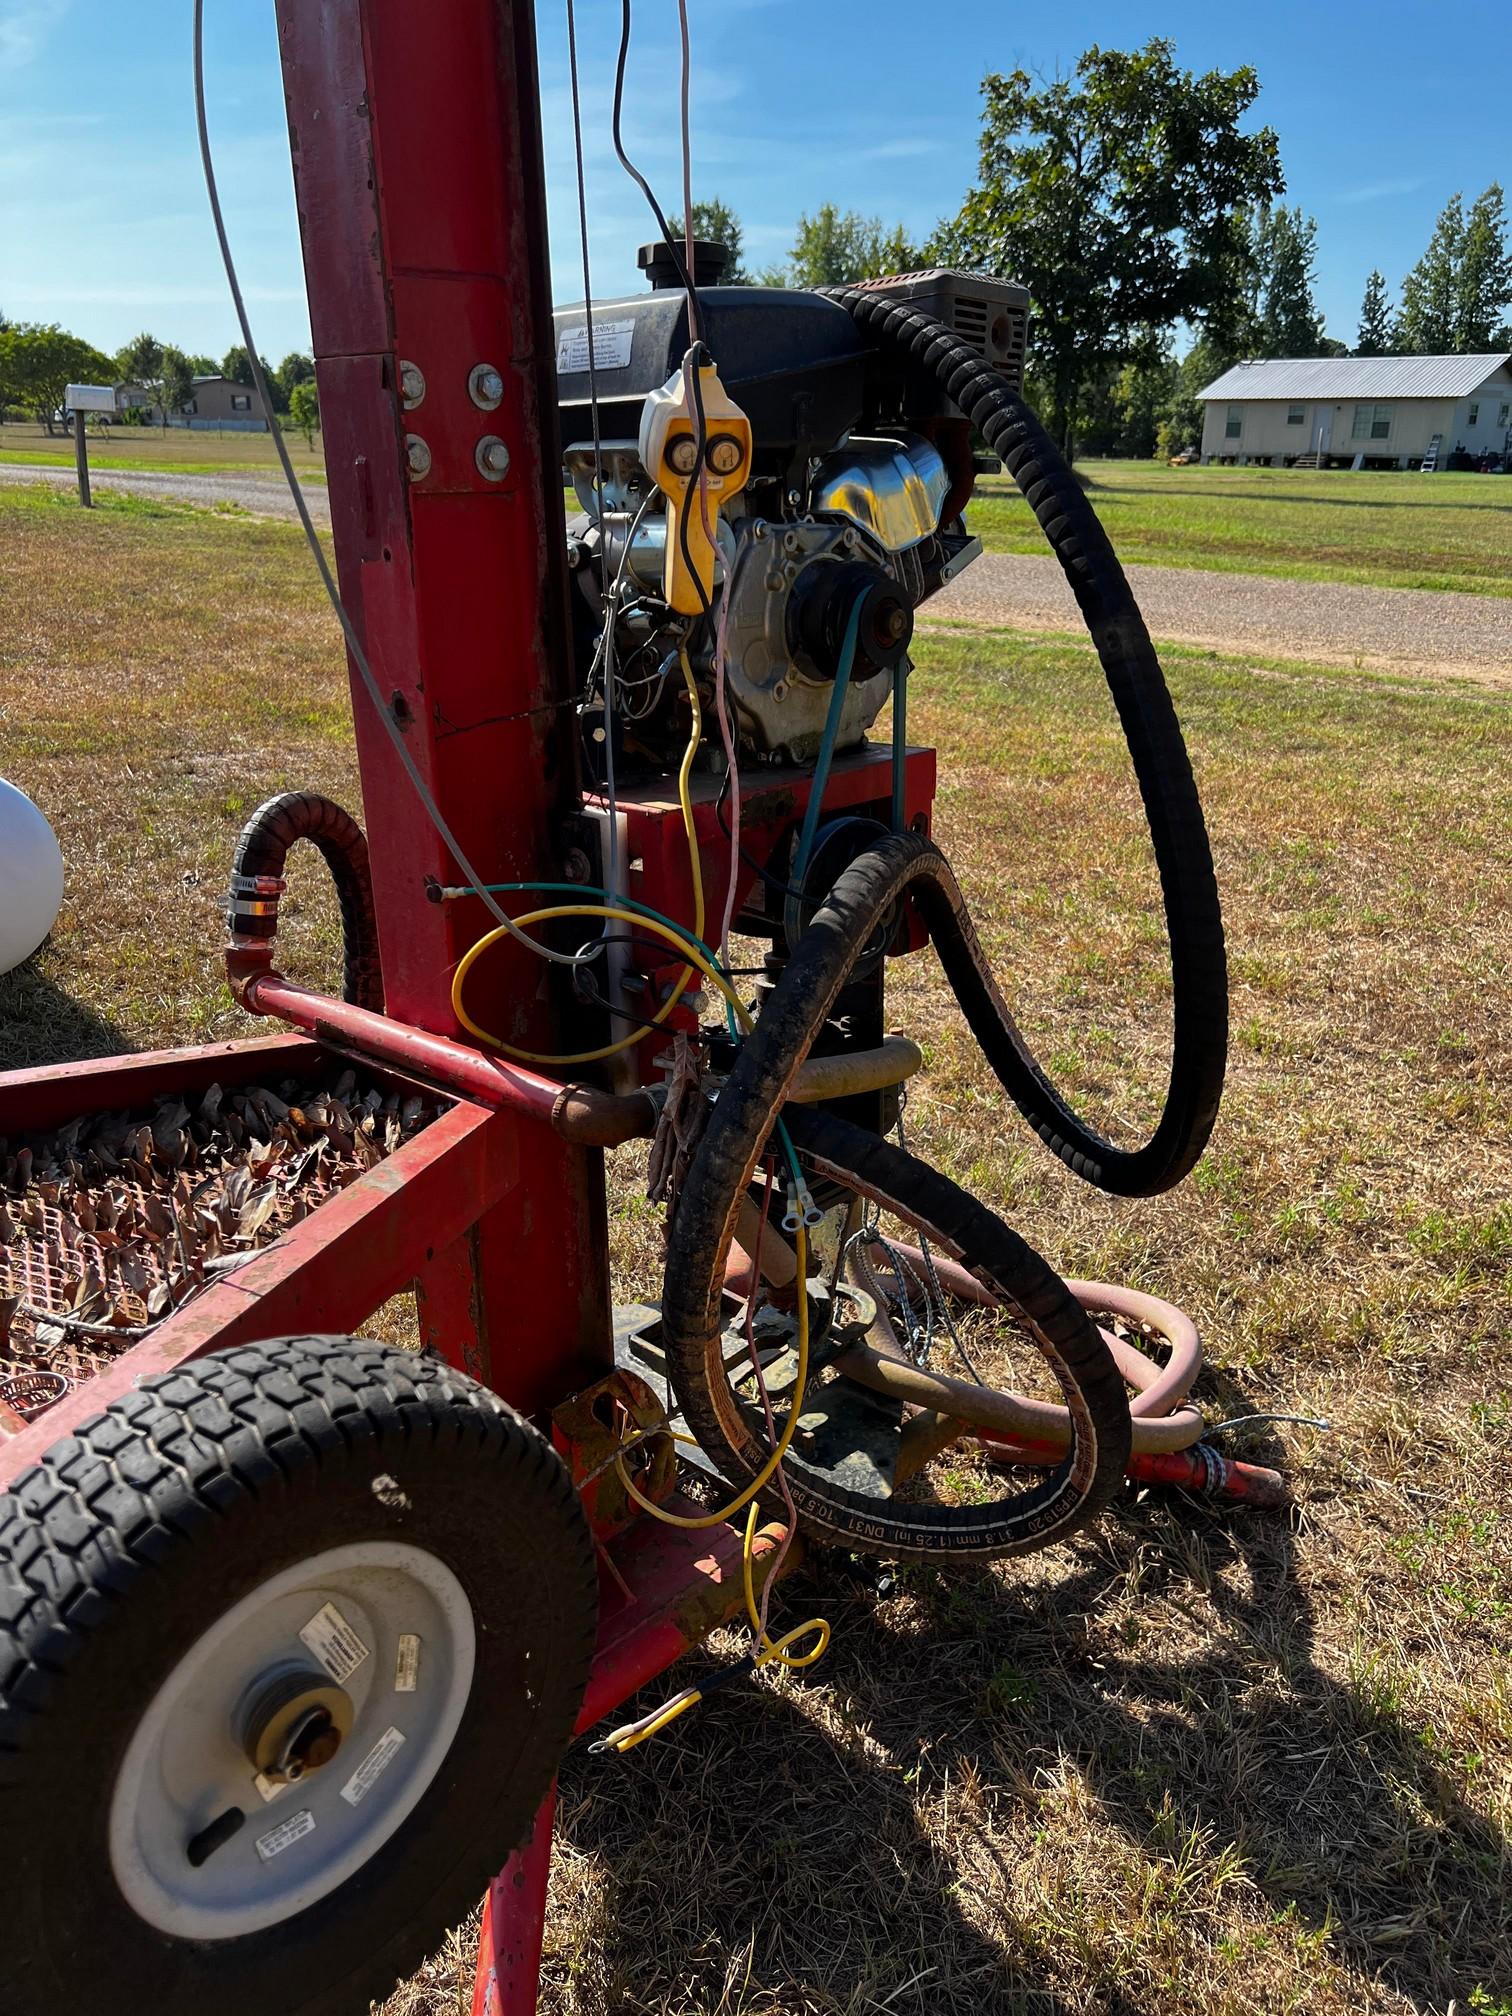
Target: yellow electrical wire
{"type": "Point", "coordinates": [768, 1650]}
{"type": "Point", "coordinates": [776, 1648]}
{"type": "Point", "coordinates": [685, 800]}
{"type": "Point", "coordinates": [764, 1474]}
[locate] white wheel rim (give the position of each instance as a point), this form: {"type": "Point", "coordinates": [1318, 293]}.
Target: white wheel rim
{"type": "Point", "coordinates": [412, 1624]}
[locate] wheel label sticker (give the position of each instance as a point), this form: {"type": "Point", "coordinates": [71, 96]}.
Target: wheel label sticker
{"type": "Point", "coordinates": [407, 1663]}
{"type": "Point", "coordinates": [334, 1643]}
{"type": "Point", "coordinates": [372, 1767]}
{"type": "Point", "coordinates": [285, 1834]}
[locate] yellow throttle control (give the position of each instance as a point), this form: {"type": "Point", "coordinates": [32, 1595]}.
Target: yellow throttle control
{"type": "Point", "coordinates": [669, 434]}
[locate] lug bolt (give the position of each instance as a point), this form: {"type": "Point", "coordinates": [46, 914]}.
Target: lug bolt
{"type": "Point", "coordinates": [485, 386]}
{"type": "Point", "coordinates": [492, 458]}
{"type": "Point", "coordinates": [411, 383]}
{"type": "Point", "coordinates": [418, 455]}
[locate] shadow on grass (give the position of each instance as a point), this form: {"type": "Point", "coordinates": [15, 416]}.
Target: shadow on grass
{"type": "Point", "coordinates": [932, 1823]}
{"type": "Point", "coordinates": [41, 1024]}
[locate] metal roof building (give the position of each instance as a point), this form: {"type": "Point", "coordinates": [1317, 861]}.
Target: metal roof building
{"type": "Point", "coordinates": [1361, 412]}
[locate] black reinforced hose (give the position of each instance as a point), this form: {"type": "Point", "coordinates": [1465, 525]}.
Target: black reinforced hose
{"type": "Point", "coordinates": [1194, 923]}
{"type": "Point", "coordinates": [735, 1140]}
{"type": "Point", "coordinates": [257, 883]}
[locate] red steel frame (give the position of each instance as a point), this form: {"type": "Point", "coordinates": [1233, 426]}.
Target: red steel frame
{"type": "Point", "coordinates": [416, 147]}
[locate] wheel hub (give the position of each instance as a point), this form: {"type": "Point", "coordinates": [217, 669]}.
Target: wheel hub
{"type": "Point", "coordinates": [296, 1719]}
{"type": "Point", "coordinates": [226, 1816]}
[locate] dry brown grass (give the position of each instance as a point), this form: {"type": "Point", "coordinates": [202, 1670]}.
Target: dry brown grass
{"type": "Point", "coordinates": [1203, 1760]}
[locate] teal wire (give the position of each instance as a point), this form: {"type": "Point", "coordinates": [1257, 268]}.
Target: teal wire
{"type": "Point", "coordinates": [793, 913]}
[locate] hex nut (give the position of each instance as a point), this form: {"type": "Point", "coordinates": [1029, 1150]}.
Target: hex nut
{"type": "Point", "coordinates": [418, 455]}
{"type": "Point", "coordinates": [485, 386]}
{"type": "Point", "coordinates": [411, 384]}
{"type": "Point", "coordinates": [492, 458]}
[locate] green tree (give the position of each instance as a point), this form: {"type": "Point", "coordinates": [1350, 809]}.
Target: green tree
{"type": "Point", "coordinates": [1286, 252]}
{"type": "Point", "coordinates": [1426, 325]}
{"type": "Point", "coordinates": [175, 382]}
{"type": "Point", "coordinates": [1144, 390]}
{"type": "Point", "coordinates": [203, 367]}
{"type": "Point", "coordinates": [835, 246]}
{"type": "Point", "coordinates": [1118, 196]}
{"type": "Point", "coordinates": [295, 369]}
{"type": "Point", "coordinates": [1374, 339]}
{"type": "Point", "coordinates": [304, 409]}
{"type": "Point", "coordinates": [39, 361]}
{"type": "Point", "coordinates": [1483, 282]}
{"type": "Point", "coordinates": [140, 362]}
{"type": "Point", "coordinates": [717, 222]}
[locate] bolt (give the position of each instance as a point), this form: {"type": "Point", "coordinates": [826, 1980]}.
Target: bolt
{"type": "Point", "coordinates": [576, 867]}
{"type": "Point", "coordinates": [894, 622]}
{"type": "Point", "coordinates": [418, 455]}
{"type": "Point", "coordinates": [761, 529]}
{"type": "Point", "coordinates": [411, 383]}
{"type": "Point", "coordinates": [485, 386]}
{"type": "Point", "coordinates": [492, 458]}
{"type": "Point", "coordinates": [794, 498]}
{"type": "Point", "coordinates": [774, 581]}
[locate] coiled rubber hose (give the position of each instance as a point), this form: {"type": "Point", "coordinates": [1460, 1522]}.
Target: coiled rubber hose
{"type": "Point", "coordinates": [730, 1429]}
{"type": "Point", "coordinates": [1194, 922]}
{"type": "Point", "coordinates": [257, 883]}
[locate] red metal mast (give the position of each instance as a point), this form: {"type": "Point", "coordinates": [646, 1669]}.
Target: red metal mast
{"type": "Point", "coordinates": [417, 163]}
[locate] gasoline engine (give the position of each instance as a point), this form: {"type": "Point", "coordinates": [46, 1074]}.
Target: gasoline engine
{"type": "Point", "coordinates": [847, 488]}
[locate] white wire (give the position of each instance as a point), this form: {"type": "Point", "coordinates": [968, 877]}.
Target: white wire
{"type": "Point", "coordinates": [354, 645]}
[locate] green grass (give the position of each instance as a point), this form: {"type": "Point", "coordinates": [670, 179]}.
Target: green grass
{"type": "Point", "coordinates": [1389, 531]}
{"type": "Point", "coordinates": [180, 451]}
{"type": "Point", "coordinates": [1202, 1760]}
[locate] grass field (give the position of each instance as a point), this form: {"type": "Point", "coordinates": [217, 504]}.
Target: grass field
{"type": "Point", "coordinates": [1405, 531]}
{"type": "Point", "coordinates": [1212, 1762]}
{"type": "Point", "coordinates": [185, 451]}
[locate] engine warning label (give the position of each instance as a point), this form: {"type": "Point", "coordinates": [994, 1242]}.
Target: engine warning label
{"type": "Point", "coordinates": [372, 1767]}
{"type": "Point", "coordinates": [612, 343]}
{"type": "Point", "coordinates": [335, 1644]}
{"type": "Point", "coordinates": [285, 1834]}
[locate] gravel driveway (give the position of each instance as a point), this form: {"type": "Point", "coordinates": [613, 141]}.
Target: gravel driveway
{"type": "Point", "coordinates": [1414, 630]}
{"type": "Point", "coordinates": [1419, 630]}
{"type": "Point", "coordinates": [266, 495]}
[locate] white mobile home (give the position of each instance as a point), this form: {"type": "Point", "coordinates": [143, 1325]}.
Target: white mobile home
{"type": "Point", "coordinates": [1360, 412]}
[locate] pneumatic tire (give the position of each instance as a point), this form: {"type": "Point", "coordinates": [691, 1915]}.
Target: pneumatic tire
{"type": "Point", "coordinates": [154, 1571]}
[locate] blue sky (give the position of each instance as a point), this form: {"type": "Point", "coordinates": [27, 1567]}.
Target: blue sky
{"type": "Point", "coordinates": [1383, 110]}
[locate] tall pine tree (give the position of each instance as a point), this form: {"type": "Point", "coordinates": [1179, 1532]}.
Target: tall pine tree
{"type": "Point", "coordinates": [1483, 282]}
{"type": "Point", "coordinates": [1427, 325]}
{"type": "Point", "coordinates": [1290, 325]}
{"type": "Point", "coordinates": [1375, 319]}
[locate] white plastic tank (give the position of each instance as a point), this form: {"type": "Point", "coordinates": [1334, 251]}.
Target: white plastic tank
{"type": "Point", "coordinates": [31, 877]}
